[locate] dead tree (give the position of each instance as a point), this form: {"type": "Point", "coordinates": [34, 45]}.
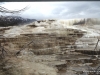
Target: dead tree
{"type": "Point", "coordinates": [26, 45]}
{"type": "Point", "coordinates": [95, 71]}
{"type": "Point", "coordinates": [96, 45]}
{"type": "Point", "coordinates": [3, 50]}
{"type": "Point", "coordinates": [95, 49]}
{"type": "Point", "coordinates": [5, 10]}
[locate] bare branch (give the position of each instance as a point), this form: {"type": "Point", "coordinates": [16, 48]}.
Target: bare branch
{"type": "Point", "coordinates": [4, 10]}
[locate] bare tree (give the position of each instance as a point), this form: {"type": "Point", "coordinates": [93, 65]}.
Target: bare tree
{"type": "Point", "coordinates": [5, 10]}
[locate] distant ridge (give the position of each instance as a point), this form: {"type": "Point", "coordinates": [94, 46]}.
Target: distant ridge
{"type": "Point", "coordinates": [14, 20]}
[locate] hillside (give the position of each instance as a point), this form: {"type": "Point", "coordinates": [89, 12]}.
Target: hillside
{"type": "Point", "coordinates": [14, 20]}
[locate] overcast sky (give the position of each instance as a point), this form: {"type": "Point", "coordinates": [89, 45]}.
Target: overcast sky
{"type": "Point", "coordinates": [57, 10]}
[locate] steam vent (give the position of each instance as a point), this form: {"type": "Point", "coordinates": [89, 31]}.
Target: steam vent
{"type": "Point", "coordinates": [51, 47]}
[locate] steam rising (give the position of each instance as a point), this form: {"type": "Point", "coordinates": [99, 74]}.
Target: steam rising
{"type": "Point", "coordinates": [89, 25]}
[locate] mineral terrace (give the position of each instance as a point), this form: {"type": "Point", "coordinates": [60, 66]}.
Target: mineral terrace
{"type": "Point", "coordinates": [51, 47]}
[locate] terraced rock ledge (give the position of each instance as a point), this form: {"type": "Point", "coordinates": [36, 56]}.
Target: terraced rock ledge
{"type": "Point", "coordinates": [39, 50]}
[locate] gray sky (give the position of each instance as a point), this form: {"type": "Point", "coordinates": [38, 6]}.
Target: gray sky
{"type": "Point", "coordinates": [57, 10]}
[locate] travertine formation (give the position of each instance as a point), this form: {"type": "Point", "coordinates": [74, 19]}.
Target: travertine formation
{"type": "Point", "coordinates": [50, 47]}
